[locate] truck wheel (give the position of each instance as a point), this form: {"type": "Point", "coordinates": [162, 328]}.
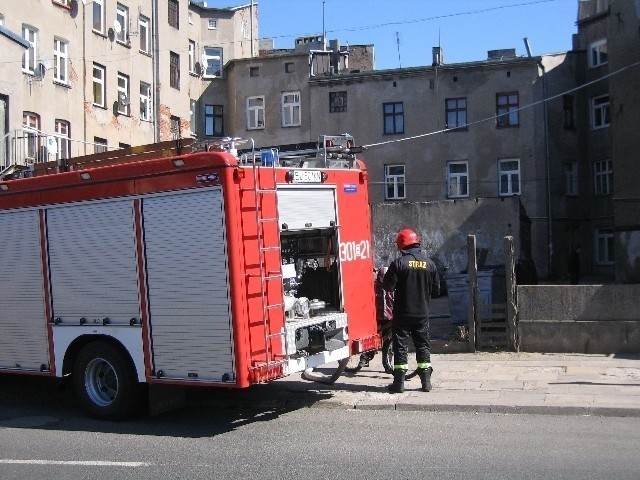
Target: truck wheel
{"type": "Point", "coordinates": [105, 382]}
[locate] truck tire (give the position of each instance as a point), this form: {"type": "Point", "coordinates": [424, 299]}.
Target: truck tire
{"type": "Point", "coordinates": [105, 382]}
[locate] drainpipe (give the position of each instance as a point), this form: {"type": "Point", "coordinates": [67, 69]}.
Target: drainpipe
{"type": "Point", "coordinates": [155, 89]}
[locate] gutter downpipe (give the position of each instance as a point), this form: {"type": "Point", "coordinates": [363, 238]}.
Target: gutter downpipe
{"type": "Point", "coordinates": [547, 167]}
{"type": "Point", "coordinates": [155, 74]}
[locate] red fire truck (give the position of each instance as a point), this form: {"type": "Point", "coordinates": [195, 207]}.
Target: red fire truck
{"type": "Point", "coordinates": [199, 265]}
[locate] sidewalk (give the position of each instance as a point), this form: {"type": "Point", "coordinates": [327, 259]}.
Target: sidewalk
{"type": "Point", "coordinates": [560, 384]}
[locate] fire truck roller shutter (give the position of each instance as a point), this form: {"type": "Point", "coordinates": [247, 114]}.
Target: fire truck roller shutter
{"type": "Point", "coordinates": [93, 263]}
{"type": "Point", "coordinates": [188, 285]}
{"type": "Point", "coordinates": [321, 209]}
{"type": "Point", "coordinates": [23, 342]}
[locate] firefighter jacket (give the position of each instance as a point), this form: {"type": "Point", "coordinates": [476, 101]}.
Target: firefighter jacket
{"type": "Point", "coordinates": [414, 279]}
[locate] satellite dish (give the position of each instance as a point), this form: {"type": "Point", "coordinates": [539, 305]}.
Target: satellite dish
{"type": "Point", "coordinates": [46, 62]}
{"type": "Point", "coordinates": [52, 145]}
{"type": "Point", "coordinates": [117, 27]}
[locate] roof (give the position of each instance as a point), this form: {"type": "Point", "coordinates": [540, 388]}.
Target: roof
{"type": "Point", "coordinates": [13, 36]}
{"type": "Point", "coordinates": [204, 6]}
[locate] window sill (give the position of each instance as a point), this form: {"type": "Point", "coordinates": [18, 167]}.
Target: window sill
{"type": "Point", "coordinates": [507, 195]}
{"type": "Point", "coordinates": [255, 128]}
{"type": "Point", "coordinates": [146, 54]}
{"type": "Point", "coordinates": [61, 84]}
{"type": "Point", "coordinates": [457, 129]}
{"type": "Point", "coordinates": [61, 5]}
{"type": "Point", "coordinates": [99, 33]}
{"type": "Point", "coordinates": [126, 44]}
{"type": "Point", "coordinates": [457, 197]}
{"type": "Point", "coordinates": [399, 199]}
{"type": "Point", "coordinates": [393, 133]}
{"type": "Point", "coordinates": [292, 126]}
{"type": "Point", "coordinates": [601, 127]}
{"type": "Point", "coordinates": [102, 107]}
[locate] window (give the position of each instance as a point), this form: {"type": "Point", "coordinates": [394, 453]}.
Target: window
{"type": "Point", "coordinates": [174, 70]}
{"type": "Point", "coordinates": [212, 24]}
{"type": "Point", "coordinates": [255, 112]}
{"type": "Point", "coordinates": [60, 60]}
{"type": "Point", "coordinates": [145, 33]}
{"type": "Point", "coordinates": [458, 179]}
{"type": "Point", "coordinates": [145, 101]}
{"type": "Point", "coordinates": [507, 105]}
{"type": "Point", "coordinates": [600, 112]}
{"type": "Point", "coordinates": [193, 116]}
{"type": "Point", "coordinates": [394, 182]}
{"type": "Point", "coordinates": [254, 71]}
{"type": "Point", "coordinates": [603, 177]}
{"type": "Point", "coordinates": [509, 176]}
{"type": "Point", "coordinates": [174, 13]}
{"type": "Point", "coordinates": [98, 16]}
{"type": "Point", "coordinates": [62, 2]}
{"type": "Point", "coordinates": [100, 145]}
{"type": "Point", "coordinates": [456, 111]}
{"type": "Point", "coordinates": [192, 56]}
{"type": "Point", "coordinates": [571, 178]}
{"type": "Point", "coordinates": [290, 109]}
{"type": "Point", "coordinates": [604, 246]}
{"type": "Point", "coordinates": [63, 137]}
{"type": "Point", "coordinates": [99, 74]}
{"type": "Point", "coordinates": [190, 18]}
{"type": "Point", "coordinates": [123, 94]}
{"type": "Point", "coordinates": [174, 123]}
{"type": "Point", "coordinates": [122, 17]}
{"type": "Point", "coordinates": [30, 54]}
{"type": "Point", "coordinates": [567, 109]}
{"type": "Point", "coordinates": [598, 53]}
{"type": "Point", "coordinates": [213, 60]}
{"type": "Point", "coordinates": [393, 117]}
{"type": "Point", "coordinates": [246, 31]}
{"type": "Point", "coordinates": [337, 102]}
{"type": "Point", "coordinates": [601, 5]}
{"type": "Point", "coordinates": [122, 146]}
{"type": "Point", "coordinates": [213, 121]}
{"type": "Point", "coordinates": [31, 131]}
{"type": "Point", "coordinates": [289, 67]}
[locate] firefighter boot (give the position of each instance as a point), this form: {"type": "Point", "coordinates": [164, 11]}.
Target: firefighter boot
{"type": "Point", "coordinates": [425, 378]}
{"type": "Point", "coordinates": [398, 382]}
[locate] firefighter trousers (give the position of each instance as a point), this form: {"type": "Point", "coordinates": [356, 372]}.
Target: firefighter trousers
{"type": "Point", "coordinates": [414, 328]}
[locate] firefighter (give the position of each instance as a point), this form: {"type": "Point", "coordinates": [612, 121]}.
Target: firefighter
{"type": "Point", "coordinates": [413, 278]}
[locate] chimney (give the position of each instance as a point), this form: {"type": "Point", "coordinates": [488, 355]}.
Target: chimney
{"type": "Point", "coordinates": [438, 59]}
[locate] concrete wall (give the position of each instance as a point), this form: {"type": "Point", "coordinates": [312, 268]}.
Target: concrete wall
{"type": "Point", "coordinates": [579, 318]}
{"type": "Point", "coordinates": [444, 226]}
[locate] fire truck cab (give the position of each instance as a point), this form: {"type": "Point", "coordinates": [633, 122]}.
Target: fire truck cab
{"type": "Point", "coordinates": [212, 264]}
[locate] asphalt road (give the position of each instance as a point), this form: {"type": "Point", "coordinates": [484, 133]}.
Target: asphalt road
{"type": "Point", "coordinates": [44, 436]}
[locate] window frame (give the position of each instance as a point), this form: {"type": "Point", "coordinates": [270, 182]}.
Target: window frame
{"type": "Point", "coordinates": [601, 113]}
{"type": "Point", "coordinates": [101, 83]}
{"type": "Point", "coordinates": [397, 182]}
{"type": "Point", "coordinates": [124, 84]}
{"type": "Point", "coordinates": [174, 70]}
{"type": "Point", "coordinates": [603, 177]}
{"type": "Point", "coordinates": [457, 111]}
{"type": "Point", "coordinates": [206, 55]}
{"type": "Point", "coordinates": [212, 24]}
{"type": "Point", "coordinates": [568, 112]}
{"type": "Point", "coordinates": [145, 102]}
{"type": "Point", "coordinates": [571, 178]}
{"type": "Point", "coordinates": [122, 11]}
{"type": "Point", "coordinates": [255, 113]}
{"type": "Point", "coordinates": [60, 61]}
{"type": "Point", "coordinates": [291, 109]}
{"type": "Point", "coordinates": [100, 145]}
{"type": "Point", "coordinates": [213, 120]}
{"type": "Point", "coordinates": [598, 56]}
{"type": "Point", "coordinates": [173, 13]}
{"type": "Point", "coordinates": [62, 129]}
{"type": "Point", "coordinates": [98, 7]}
{"type": "Point", "coordinates": [506, 111]}
{"type": "Point", "coordinates": [144, 31]}
{"type": "Point", "coordinates": [509, 175]}
{"type": "Point", "coordinates": [31, 134]}
{"type": "Point", "coordinates": [395, 116]}
{"type": "Point", "coordinates": [338, 101]}
{"type": "Point", "coordinates": [604, 253]}
{"type": "Point", "coordinates": [461, 179]}
{"type": "Point", "coordinates": [30, 55]}
{"type": "Point", "coordinates": [192, 57]}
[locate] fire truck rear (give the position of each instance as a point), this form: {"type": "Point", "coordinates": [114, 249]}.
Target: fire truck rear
{"type": "Point", "coordinates": [190, 266]}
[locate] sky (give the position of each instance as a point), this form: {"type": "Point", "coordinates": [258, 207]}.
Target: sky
{"type": "Point", "coordinates": [403, 32]}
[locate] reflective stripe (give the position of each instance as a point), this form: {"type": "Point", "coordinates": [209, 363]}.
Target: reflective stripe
{"type": "Point", "coordinates": [404, 366]}
{"type": "Point", "coordinates": [424, 366]}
